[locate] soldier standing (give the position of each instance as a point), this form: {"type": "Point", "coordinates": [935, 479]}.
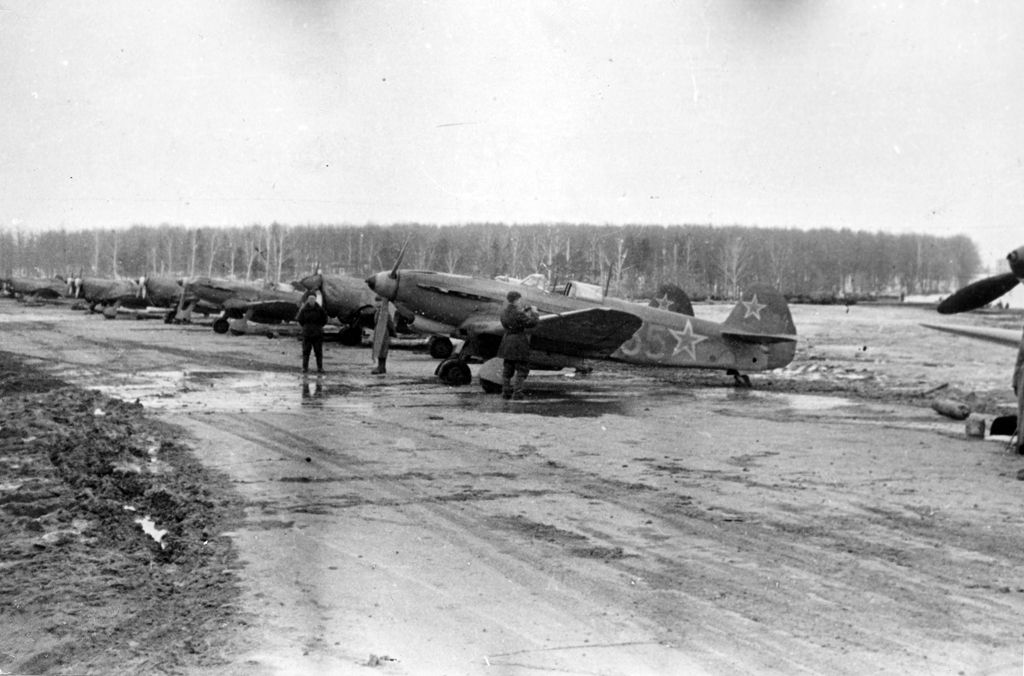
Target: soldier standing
{"type": "Point", "coordinates": [515, 345]}
{"type": "Point", "coordinates": [312, 318]}
{"type": "Point", "coordinates": [383, 328]}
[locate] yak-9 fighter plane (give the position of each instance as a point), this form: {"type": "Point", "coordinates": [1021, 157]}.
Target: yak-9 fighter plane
{"type": "Point", "coordinates": [241, 303]}
{"type": "Point", "coordinates": [759, 334]}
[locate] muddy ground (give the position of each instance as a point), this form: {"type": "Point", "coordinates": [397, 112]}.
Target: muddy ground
{"type": "Point", "coordinates": [627, 522]}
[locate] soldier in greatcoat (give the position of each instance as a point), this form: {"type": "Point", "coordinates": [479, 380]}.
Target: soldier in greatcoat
{"type": "Point", "coordinates": [516, 318]}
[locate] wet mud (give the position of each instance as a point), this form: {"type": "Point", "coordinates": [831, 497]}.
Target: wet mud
{"type": "Point", "coordinates": [113, 550]}
{"type": "Point", "coordinates": [636, 521]}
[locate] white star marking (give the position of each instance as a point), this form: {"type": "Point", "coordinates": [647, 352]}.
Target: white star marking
{"type": "Point", "coordinates": [664, 303]}
{"type": "Point", "coordinates": [753, 308]}
{"type": "Point", "coordinates": [686, 341]}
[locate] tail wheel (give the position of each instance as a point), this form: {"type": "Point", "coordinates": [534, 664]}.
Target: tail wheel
{"type": "Point", "coordinates": [440, 347]}
{"type": "Point", "coordinates": [454, 372]}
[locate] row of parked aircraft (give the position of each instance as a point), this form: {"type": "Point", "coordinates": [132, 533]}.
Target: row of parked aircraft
{"type": "Point", "coordinates": [577, 321]}
{"type": "Point", "coordinates": [234, 303]}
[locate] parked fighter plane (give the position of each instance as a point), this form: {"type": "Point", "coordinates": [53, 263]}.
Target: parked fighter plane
{"type": "Point", "coordinates": [243, 303]}
{"type": "Point", "coordinates": [110, 294]}
{"type": "Point", "coordinates": [757, 336]}
{"type": "Point", "coordinates": [31, 287]}
{"type": "Point", "coordinates": [346, 298]}
{"type": "Point", "coordinates": [980, 294]}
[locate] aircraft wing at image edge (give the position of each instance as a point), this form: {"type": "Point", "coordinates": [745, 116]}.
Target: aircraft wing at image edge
{"type": "Point", "coordinates": [594, 332]}
{"type": "Point", "coordinates": [1008, 337]}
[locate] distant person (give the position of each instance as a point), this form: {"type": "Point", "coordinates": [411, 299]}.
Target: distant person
{"type": "Point", "coordinates": [515, 345]}
{"type": "Point", "coordinates": [383, 329]}
{"type": "Point", "coordinates": [312, 318]}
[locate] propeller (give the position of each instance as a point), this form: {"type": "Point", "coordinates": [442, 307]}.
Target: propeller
{"type": "Point", "coordinates": [398, 261]}
{"type": "Point", "coordinates": [984, 291]}
{"type": "Point", "coordinates": [978, 294]}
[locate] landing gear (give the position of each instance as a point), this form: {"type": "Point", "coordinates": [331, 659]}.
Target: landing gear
{"type": "Point", "coordinates": [742, 379]}
{"type": "Point", "coordinates": [454, 372]}
{"type": "Point", "coordinates": [220, 325]}
{"type": "Point", "coordinates": [440, 347]}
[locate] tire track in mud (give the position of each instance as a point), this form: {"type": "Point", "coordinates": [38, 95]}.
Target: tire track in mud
{"type": "Point", "coordinates": [897, 561]}
{"type": "Point", "coordinates": [782, 584]}
{"type": "Point", "coordinates": [692, 573]}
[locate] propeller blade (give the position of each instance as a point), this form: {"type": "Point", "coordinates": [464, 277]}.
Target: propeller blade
{"type": "Point", "coordinates": [978, 294]}
{"type": "Point", "coordinates": [398, 261]}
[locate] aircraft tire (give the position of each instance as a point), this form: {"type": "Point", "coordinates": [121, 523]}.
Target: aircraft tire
{"type": "Point", "coordinates": [220, 326]}
{"type": "Point", "coordinates": [440, 347]}
{"type": "Point", "coordinates": [455, 373]}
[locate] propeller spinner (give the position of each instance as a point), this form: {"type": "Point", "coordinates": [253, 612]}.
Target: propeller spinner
{"type": "Point", "coordinates": [385, 284]}
{"type": "Point", "coordinates": [984, 291]}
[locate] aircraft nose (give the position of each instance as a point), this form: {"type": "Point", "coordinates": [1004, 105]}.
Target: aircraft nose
{"type": "Point", "coordinates": [384, 285]}
{"type": "Point", "coordinates": [1016, 259]}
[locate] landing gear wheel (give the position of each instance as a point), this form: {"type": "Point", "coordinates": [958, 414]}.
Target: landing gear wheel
{"type": "Point", "coordinates": [742, 379]}
{"type": "Point", "coordinates": [454, 372]}
{"type": "Point", "coordinates": [440, 347]}
{"type": "Point", "coordinates": [221, 325]}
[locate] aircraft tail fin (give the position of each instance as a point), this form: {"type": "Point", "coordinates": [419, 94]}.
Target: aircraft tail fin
{"type": "Point", "coordinates": [672, 297]}
{"type": "Point", "coordinates": [762, 316]}
{"type": "Point", "coordinates": [761, 310]}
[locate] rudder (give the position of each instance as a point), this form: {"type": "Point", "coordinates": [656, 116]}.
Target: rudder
{"type": "Point", "coordinates": [762, 309]}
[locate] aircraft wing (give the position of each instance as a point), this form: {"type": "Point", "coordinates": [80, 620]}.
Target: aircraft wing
{"type": "Point", "coordinates": [1008, 337]}
{"type": "Point", "coordinates": [269, 306]}
{"type": "Point", "coordinates": [591, 332]}
{"type": "Point", "coordinates": [759, 338]}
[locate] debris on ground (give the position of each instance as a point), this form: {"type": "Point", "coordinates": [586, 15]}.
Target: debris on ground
{"type": "Point", "coordinates": [84, 588]}
{"type": "Point", "coordinates": [951, 408]}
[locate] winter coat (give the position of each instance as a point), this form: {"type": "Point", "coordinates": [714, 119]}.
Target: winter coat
{"type": "Point", "coordinates": [312, 318]}
{"type": "Point", "coordinates": [515, 344]}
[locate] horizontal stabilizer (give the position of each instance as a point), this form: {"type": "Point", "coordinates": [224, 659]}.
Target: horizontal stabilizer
{"type": "Point", "coordinates": [1008, 337]}
{"type": "Point", "coordinates": [759, 338]}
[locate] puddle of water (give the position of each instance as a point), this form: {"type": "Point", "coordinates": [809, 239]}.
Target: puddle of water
{"type": "Point", "coordinates": [811, 402]}
{"type": "Point", "coordinates": [224, 390]}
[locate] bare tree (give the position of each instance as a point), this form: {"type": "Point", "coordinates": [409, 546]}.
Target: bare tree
{"type": "Point", "coordinates": [732, 263]}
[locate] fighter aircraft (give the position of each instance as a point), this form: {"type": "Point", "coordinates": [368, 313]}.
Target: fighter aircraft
{"type": "Point", "coordinates": [241, 303]}
{"type": "Point", "coordinates": [34, 288]}
{"type": "Point", "coordinates": [109, 294]}
{"type": "Point", "coordinates": [347, 299]}
{"type": "Point", "coordinates": [758, 335]}
{"type": "Point", "coordinates": [978, 295]}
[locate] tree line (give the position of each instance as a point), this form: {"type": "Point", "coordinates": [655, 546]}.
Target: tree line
{"type": "Point", "coordinates": [630, 260]}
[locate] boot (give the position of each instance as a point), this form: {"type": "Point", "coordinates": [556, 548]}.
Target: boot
{"type": "Point", "coordinates": [380, 370]}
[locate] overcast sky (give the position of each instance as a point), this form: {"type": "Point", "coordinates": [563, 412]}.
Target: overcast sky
{"type": "Point", "coordinates": [894, 116]}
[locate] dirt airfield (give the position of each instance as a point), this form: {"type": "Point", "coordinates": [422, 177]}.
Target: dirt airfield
{"type": "Point", "coordinates": [201, 507]}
